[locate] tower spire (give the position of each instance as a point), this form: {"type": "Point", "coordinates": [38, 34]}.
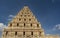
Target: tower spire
{"type": "Point", "coordinates": [25, 25]}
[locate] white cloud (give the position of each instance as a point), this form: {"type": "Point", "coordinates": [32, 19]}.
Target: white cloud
{"type": "Point", "coordinates": [11, 16]}
{"type": "Point", "coordinates": [10, 19]}
{"type": "Point", "coordinates": [47, 34]}
{"type": "Point", "coordinates": [2, 26]}
{"type": "Point", "coordinates": [57, 27]}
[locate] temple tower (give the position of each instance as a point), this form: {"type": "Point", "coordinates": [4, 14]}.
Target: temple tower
{"type": "Point", "coordinates": [23, 25]}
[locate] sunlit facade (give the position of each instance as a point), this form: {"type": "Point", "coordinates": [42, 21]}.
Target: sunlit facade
{"type": "Point", "coordinates": [24, 25]}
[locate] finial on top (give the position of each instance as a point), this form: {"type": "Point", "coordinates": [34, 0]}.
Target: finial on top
{"type": "Point", "coordinates": [25, 6]}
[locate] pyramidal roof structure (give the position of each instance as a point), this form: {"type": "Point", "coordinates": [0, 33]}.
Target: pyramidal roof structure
{"type": "Point", "coordinates": [24, 25]}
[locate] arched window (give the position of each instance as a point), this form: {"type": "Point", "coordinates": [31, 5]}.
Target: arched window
{"type": "Point", "coordinates": [37, 25]}
{"type": "Point", "coordinates": [19, 19]}
{"type": "Point", "coordinates": [24, 19]}
{"type": "Point", "coordinates": [29, 19]}
{"type": "Point", "coordinates": [15, 33]}
{"type": "Point", "coordinates": [31, 25]}
{"type": "Point", "coordinates": [24, 24]}
{"type": "Point", "coordinates": [31, 33]}
{"type": "Point", "coordinates": [17, 24]}
{"type": "Point", "coordinates": [6, 32]}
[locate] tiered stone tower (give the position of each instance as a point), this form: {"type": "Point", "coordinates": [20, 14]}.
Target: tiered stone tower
{"type": "Point", "coordinates": [24, 25]}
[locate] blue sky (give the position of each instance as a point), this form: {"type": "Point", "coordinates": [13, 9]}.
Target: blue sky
{"type": "Point", "coordinates": [46, 11]}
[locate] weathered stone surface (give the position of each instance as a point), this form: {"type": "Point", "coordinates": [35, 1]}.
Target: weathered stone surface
{"type": "Point", "coordinates": [24, 25]}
